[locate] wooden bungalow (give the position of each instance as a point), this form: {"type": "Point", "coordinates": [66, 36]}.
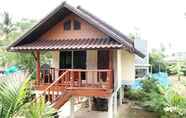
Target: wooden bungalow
{"type": "Point", "coordinates": [90, 58]}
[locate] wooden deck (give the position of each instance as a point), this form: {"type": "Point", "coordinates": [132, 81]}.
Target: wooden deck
{"type": "Point", "coordinates": [70, 82]}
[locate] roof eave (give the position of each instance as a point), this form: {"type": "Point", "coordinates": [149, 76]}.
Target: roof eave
{"type": "Point", "coordinates": [139, 53]}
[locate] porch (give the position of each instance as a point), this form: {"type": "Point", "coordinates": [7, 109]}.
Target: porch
{"type": "Point", "coordinates": [74, 78]}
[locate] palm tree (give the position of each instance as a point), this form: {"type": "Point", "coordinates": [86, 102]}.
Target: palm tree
{"type": "Point", "coordinates": [6, 27]}
{"type": "Point", "coordinates": [16, 100]}
{"type": "Point", "coordinates": [6, 24]}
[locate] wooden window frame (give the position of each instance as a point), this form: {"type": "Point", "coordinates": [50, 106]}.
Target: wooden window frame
{"type": "Point", "coordinates": [67, 25]}
{"type": "Point", "coordinates": [76, 24]}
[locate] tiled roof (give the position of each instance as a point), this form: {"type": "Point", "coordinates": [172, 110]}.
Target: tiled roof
{"type": "Point", "coordinates": [69, 44]}
{"type": "Point", "coordinates": [60, 13]}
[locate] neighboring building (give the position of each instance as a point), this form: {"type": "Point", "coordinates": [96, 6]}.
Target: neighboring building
{"type": "Point", "coordinates": [141, 64]}
{"type": "Point", "coordinates": [90, 58]}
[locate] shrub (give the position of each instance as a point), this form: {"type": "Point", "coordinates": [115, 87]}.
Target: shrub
{"type": "Point", "coordinates": [135, 94]}
{"type": "Point", "coordinates": [165, 101]}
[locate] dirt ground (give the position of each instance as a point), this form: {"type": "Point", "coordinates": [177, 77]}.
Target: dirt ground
{"type": "Point", "coordinates": [179, 85]}
{"type": "Point", "coordinates": [124, 111]}
{"type": "Point", "coordinates": [128, 110]}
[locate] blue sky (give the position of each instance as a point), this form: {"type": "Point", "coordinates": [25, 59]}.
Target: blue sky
{"type": "Point", "coordinates": [158, 21]}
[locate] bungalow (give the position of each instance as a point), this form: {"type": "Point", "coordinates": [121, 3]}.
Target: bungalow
{"type": "Point", "coordinates": [90, 58]}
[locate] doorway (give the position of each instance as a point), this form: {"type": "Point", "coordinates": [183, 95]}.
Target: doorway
{"type": "Point", "coordinates": [103, 63]}
{"type": "Point", "coordinates": [73, 60]}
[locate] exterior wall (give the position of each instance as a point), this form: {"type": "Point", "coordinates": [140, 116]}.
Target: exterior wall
{"type": "Point", "coordinates": [86, 31]}
{"type": "Point", "coordinates": [115, 69]}
{"type": "Point", "coordinates": [123, 65]}
{"type": "Point", "coordinates": [55, 62]}
{"type": "Point", "coordinates": [55, 59]}
{"type": "Point", "coordinates": [126, 66]}
{"type": "Point", "coordinates": [92, 64]}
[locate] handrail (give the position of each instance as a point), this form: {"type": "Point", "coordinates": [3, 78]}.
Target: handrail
{"type": "Point", "coordinates": [59, 78]}
{"type": "Point", "coordinates": [53, 91]}
{"type": "Point", "coordinates": [105, 73]}
{"type": "Point", "coordinates": [83, 70]}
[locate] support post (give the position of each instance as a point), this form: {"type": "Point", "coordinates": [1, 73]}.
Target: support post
{"type": "Point", "coordinates": [89, 104]}
{"type": "Point", "coordinates": [72, 107]}
{"type": "Point", "coordinates": [110, 107]}
{"type": "Point", "coordinates": [121, 95]}
{"type": "Point", "coordinates": [38, 69]}
{"type": "Point", "coordinates": [110, 67]}
{"type": "Point", "coordinates": [115, 104]}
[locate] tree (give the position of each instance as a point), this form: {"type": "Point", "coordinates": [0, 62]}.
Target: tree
{"type": "Point", "coordinates": [6, 27]}
{"type": "Point", "coordinates": [157, 62]}
{"type": "Point", "coordinates": [177, 69]}
{"type": "Point", "coordinates": [10, 32]}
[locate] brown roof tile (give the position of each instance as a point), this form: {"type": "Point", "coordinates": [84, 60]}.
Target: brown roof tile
{"type": "Point", "coordinates": [67, 44]}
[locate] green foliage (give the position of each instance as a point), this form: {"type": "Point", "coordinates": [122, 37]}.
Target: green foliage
{"type": "Point", "coordinates": [16, 100]}
{"type": "Point", "coordinates": [135, 94]}
{"type": "Point", "coordinates": [9, 32]}
{"type": "Point", "coordinates": [165, 101]}
{"type": "Point", "coordinates": [13, 94]}
{"type": "Point", "coordinates": [177, 69]}
{"type": "Point", "coordinates": [38, 109]}
{"type": "Point", "coordinates": [156, 59]}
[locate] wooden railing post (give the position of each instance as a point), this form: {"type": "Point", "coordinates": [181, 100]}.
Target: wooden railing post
{"type": "Point", "coordinates": [110, 79]}
{"type": "Point", "coordinates": [71, 79]}
{"type": "Point", "coordinates": [38, 69]}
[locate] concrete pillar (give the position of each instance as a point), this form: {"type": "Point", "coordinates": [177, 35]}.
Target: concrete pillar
{"type": "Point", "coordinates": [110, 107]}
{"type": "Point", "coordinates": [121, 95]}
{"type": "Point", "coordinates": [89, 104]}
{"type": "Point", "coordinates": [115, 104]}
{"type": "Point", "coordinates": [72, 107]}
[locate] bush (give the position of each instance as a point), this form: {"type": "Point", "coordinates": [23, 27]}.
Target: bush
{"type": "Point", "coordinates": [165, 101]}
{"type": "Point", "coordinates": [135, 94]}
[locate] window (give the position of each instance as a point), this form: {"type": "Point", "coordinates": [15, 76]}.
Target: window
{"type": "Point", "coordinates": [67, 25]}
{"type": "Point", "coordinates": [77, 25]}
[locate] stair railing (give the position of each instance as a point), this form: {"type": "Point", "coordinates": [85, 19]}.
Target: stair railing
{"type": "Point", "coordinates": [56, 89]}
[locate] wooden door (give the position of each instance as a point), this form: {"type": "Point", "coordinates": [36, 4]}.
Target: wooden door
{"type": "Point", "coordinates": [79, 62]}
{"type": "Point", "coordinates": [103, 63]}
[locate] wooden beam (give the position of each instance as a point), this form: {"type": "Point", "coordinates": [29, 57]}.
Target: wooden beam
{"type": "Point", "coordinates": [110, 60]}
{"type": "Point", "coordinates": [111, 68]}
{"type": "Point", "coordinates": [38, 68]}
{"type": "Point", "coordinates": [34, 55]}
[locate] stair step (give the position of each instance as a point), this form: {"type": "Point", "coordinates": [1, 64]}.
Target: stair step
{"type": "Point", "coordinates": [59, 102]}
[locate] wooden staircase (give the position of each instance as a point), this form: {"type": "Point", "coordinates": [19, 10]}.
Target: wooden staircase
{"type": "Point", "coordinates": [62, 100]}
{"type": "Point", "coordinates": [56, 92]}
{"type": "Point", "coordinates": [67, 85]}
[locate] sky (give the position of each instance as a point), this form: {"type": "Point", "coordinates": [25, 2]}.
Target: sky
{"type": "Point", "coordinates": [157, 21]}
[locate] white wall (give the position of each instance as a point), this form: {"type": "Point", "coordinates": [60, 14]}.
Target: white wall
{"type": "Point", "coordinates": [92, 64]}
{"type": "Point", "coordinates": [125, 66]}
{"type": "Point", "coordinates": [55, 62]}
{"type": "Point", "coordinates": [55, 59]}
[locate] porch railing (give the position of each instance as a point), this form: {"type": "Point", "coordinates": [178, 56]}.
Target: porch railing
{"type": "Point", "coordinates": [95, 78]}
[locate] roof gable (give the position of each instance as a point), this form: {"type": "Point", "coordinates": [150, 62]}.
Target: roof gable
{"type": "Point", "coordinates": [60, 12]}
{"type": "Point", "coordinates": [86, 30]}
